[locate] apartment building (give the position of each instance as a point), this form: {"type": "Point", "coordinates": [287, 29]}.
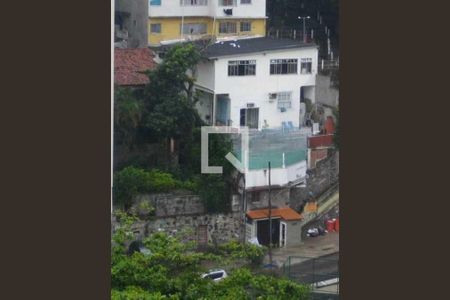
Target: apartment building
{"type": "Point", "coordinates": [180, 20]}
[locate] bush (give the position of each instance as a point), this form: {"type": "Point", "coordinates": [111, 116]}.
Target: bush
{"type": "Point", "coordinates": [255, 254]}
{"type": "Point", "coordinates": [131, 181]}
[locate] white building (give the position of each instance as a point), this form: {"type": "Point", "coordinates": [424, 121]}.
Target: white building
{"type": "Point", "coordinates": [256, 82]}
{"type": "Point", "coordinates": [261, 83]}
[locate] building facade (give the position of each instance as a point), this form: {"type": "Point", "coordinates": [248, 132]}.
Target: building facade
{"type": "Point", "coordinates": [261, 83]}
{"type": "Point", "coordinates": [130, 20]}
{"type": "Point", "coordinates": [178, 20]}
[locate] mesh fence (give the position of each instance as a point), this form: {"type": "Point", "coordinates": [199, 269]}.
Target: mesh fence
{"type": "Point", "coordinates": [321, 273]}
{"type": "Point", "coordinates": [280, 147]}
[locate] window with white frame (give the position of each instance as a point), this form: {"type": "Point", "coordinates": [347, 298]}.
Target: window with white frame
{"type": "Point", "coordinates": [246, 26]}
{"type": "Point", "coordinates": [193, 2]}
{"type": "Point", "coordinates": [306, 66]}
{"type": "Point", "coordinates": [283, 66]}
{"type": "Point", "coordinates": [246, 1]}
{"type": "Point", "coordinates": [227, 2]}
{"type": "Point", "coordinates": [284, 100]}
{"type": "Point", "coordinates": [241, 67]}
{"type": "Point", "coordinates": [194, 28]}
{"type": "Point", "coordinates": [155, 28]}
{"type": "Point", "coordinates": [227, 27]}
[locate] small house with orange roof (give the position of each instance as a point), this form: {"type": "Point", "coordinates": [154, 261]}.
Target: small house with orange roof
{"type": "Point", "coordinates": [286, 226]}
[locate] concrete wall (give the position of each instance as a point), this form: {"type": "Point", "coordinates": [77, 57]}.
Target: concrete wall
{"type": "Point", "coordinates": [293, 233]}
{"type": "Point", "coordinates": [279, 176]}
{"type": "Point", "coordinates": [136, 22]}
{"type": "Point", "coordinates": [255, 89]}
{"type": "Point", "coordinates": [325, 93]}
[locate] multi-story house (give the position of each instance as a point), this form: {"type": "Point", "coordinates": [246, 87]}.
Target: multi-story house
{"type": "Point", "coordinates": [178, 20]}
{"type": "Point", "coordinates": [261, 83]}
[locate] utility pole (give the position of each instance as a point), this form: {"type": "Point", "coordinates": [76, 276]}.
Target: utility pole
{"type": "Point", "coordinates": [304, 26]}
{"type": "Point", "coordinates": [270, 221]}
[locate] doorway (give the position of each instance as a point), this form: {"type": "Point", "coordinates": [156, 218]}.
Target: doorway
{"type": "Point", "coordinates": [262, 232]}
{"type": "Point", "coordinates": [249, 117]}
{"type": "Point", "coordinates": [283, 228]}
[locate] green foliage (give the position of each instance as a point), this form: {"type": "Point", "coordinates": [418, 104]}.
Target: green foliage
{"type": "Point", "coordinates": [242, 284]}
{"type": "Point", "coordinates": [255, 254]}
{"type": "Point", "coordinates": [169, 101]}
{"type": "Point", "coordinates": [127, 116]}
{"type": "Point", "coordinates": [131, 181]}
{"type": "Point", "coordinates": [173, 271]}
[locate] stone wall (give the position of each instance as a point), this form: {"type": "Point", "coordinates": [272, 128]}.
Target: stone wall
{"type": "Point", "coordinates": [167, 205]}
{"type": "Point", "coordinates": [220, 228]}
{"type": "Point", "coordinates": [318, 181]}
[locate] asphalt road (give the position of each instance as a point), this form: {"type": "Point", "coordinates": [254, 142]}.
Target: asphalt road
{"type": "Point", "coordinates": [314, 270]}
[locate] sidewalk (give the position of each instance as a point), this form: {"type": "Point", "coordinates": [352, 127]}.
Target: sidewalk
{"type": "Point", "coordinates": [311, 247]}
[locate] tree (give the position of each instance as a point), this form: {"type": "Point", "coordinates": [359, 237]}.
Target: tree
{"type": "Point", "coordinates": [127, 116]}
{"type": "Point", "coordinates": [169, 97]}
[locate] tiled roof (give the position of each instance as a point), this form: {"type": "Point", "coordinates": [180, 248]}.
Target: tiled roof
{"type": "Point", "coordinates": [285, 213]}
{"type": "Point", "coordinates": [129, 65]}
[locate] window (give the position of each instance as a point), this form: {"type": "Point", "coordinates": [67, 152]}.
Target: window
{"type": "Point", "coordinates": [193, 2]}
{"type": "Point", "coordinates": [227, 27]}
{"type": "Point", "coordinates": [284, 100]}
{"type": "Point", "coordinates": [227, 2]}
{"type": "Point", "coordinates": [306, 65]}
{"type": "Point", "coordinates": [155, 2]}
{"type": "Point", "coordinates": [246, 26]}
{"type": "Point", "coordinates": [283, 66]}
{"type": "Point", "coordinates": [246, 1]}
{"type": "Point", "coordinates": [195, 28]}
{"type": "Point", "coordinates": [249, 117]}
{"type": "Point", "coordinates": [155, 28]}
{"type": "Point", "coordinates": [241, 67]}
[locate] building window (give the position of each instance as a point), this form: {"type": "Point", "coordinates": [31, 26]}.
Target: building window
{"type": "Point", "coordinates": [194, 28]}
{"type": "Point", "coordinates": [227, 27]}
{"type": "Point", "coordinates": [241, 67]}
{"type": "Point", "coordinates": [306, 66]}
{"type": "Point", "coordinates": [246, 1]}
{"type": "Point", "coordinates": [227, 2]}
{"type": "Point", "coordinates": [193, 2]}
{"type": "Point", "coordinates": [249, 117]}
{"type": "Point", "coordinates": [155, 28]}
{"type": "Point", "coordinates": [246, 26]}
{"type": "Point", "coordinates": [155, 2]}
{"type": "Point", "coordinates": [283, 66]}
{"type": "Point", "coordinates": [284, 100]}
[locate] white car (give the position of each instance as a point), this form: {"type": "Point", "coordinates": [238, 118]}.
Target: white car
{"type": "Point", "coordinates": [216, 274]}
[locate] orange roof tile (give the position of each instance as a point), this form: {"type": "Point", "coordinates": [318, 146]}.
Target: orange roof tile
{"type": "Point", "coordinates": [285, 213]}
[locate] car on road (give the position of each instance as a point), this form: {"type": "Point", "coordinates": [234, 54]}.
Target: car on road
{"type": "Point", "coordinates": [215, 274]}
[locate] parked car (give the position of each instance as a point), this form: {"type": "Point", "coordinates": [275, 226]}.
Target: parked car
{"type": "Point", "coordinates": [216, 274]}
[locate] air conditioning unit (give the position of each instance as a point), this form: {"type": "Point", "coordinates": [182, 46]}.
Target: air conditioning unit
{"type": "Point", "coordinates": [273, 96]}
{"type": "Point", "coordinates": [228, 11]}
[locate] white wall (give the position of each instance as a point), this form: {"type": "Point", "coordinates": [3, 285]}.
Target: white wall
{"type": "Point", "coordinates": [257, 9]}
{"type": "Point", "coordinates": [256, 89]}
{"type": "Point", "coordinates": [205, 74]}
{"type": "Point", "coordinates": [279, 176]}
{"type": "Point", "coordinates": [172, 8]}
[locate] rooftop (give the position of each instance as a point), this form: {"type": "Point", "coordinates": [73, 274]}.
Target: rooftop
{"type": "Point", "coordinates": [129, 65]}
{"type": "Point", "coordinates": [286, 213]}
{"type": "Point", "coordinates": [252, 45]}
